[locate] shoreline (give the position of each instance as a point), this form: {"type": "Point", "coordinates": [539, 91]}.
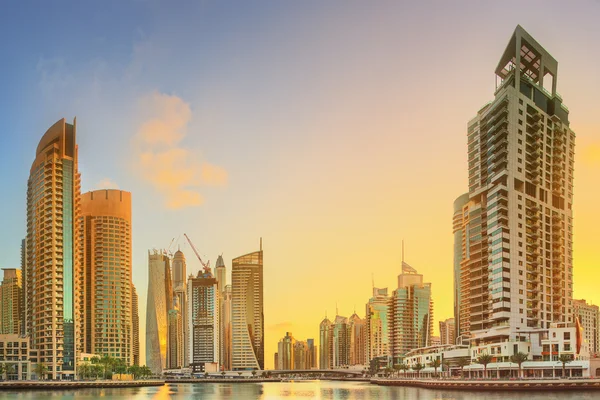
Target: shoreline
{"type": "Point", "coordinates": [223, 380]}
{"type": "Point", "coordinates": [72, 385]}
{"type": "Point", "coordinates": [494, 386]}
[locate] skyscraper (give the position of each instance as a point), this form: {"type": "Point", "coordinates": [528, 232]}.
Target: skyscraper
{"type": "Point", "coordinates": [447, 330]}
{"type": "Point", "coordinates": [410, 314]}
{"type": "Point", "coordinates": [175, 336]}
{"type": "Point", "coordinates": [312, 357]}
{"type": "Point", "coordinates": [460, 240]}
{"type": "Point", "coordinates": [11, 296]}
{"type": "Point", "coordinates": [301, 355]}
{"type": "Point", "coordinates": [221, 275]}
{"type": "Point", "coordinates": [357, 340]}
{"type": "Point", "coordinates": [227, 328]}
{"type": "Point", "coordinates": [285, 352]}
{"type": "Point", "coordinates": [23, 286]}
{"type": "Point", "coordinates": [53, 273]}
{"type": "Point", "coordinates": [203, 322]}
{"type": "Point", "coordinates": [105, 231]}
{"type": "Point", "coordinates": [159, 301]}
{"type": "Point", "coordinates": [135, 319]}
{"type": "Point", "coordinates": [247, 312]}
{"type": "Point", "coordinates": [340, 344]}
{"type": "Point", "coordinates": [179, 291]}
{"type": "Point", "coordinates": [589, 318]}
{"type": "Point", "coordinates": [377, 337]}
{"type": "Point", "coordinates": [517, 269]}
{"type": "Point", "coordinates": [324, 344]}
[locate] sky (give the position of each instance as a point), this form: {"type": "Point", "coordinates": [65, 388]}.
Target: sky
{"type": "Point", "coordinates": [333, 130]}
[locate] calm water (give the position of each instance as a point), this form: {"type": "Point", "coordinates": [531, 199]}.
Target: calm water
{"type": "Point", "coordinates": [285, 390]}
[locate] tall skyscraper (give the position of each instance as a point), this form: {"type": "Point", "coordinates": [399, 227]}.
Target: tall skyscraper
{"type": "Point", "coordinates": [447, 330]}
{"type": "Point", "coordinates": [377, 337]}
{"type": "Point", "coordinates": [324, 344]}
{"type": "Point", "coordinates": [301, 355]}
{"type": "Point", "coordinates": [135, 318]}
{"type": "Point", "coordinates": [203, 322]}
{"type": "Point", "coordinates": [516, 274]}
{"type": "Point", "coordinates": [410, 314]}
{"type": "Point", "coordinates": [285, 352]}
{"type": "Point", "coordinates": [340, 347]}
{"type": "Point", "coordinates": [24, 286]}
{"type": "Point", "coordinates": [175, 336]}
{"type": "Point", "coordinates": [179, 291]}
{"type": "Point", "coordinates": [105, 250]}
{"type": "Point", "coordinates": [589, 318]}
{"type": "Point", "coordinates": [312, 361]}
{"type": "Point", "coordinates": [53, 274]}
{"type": "Point", "coordinates": [221, 275]}
{"type": "Point", "coordinates": [159, 301]}
{"type": "Point", "coordinates": [247, 312]}
{"type": "Point", "coordinates": [11, 307]}
{"type": "Point", "coordinates": [227, 328]}
{"type": "Point", "coordinates": [460, 241]}
{"type": "Point", "coordinates": [357, 340]}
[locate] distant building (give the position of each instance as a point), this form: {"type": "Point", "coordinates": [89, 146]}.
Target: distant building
{"type": "Point", "coordinates": [179, 291]}
{"type": "Point", "coordinates": [285, 351]}
{"type": "Point", "coordinates": [435, 341]}
{"type": "Point", "coordinates": [221, 275]}
{"type": "Point", "coordinates": [447, 330]}
{"type": "Point", "coordinates": [135, 319]}
{"type": "Point", "coordinates": [313, 359]}
{"type": "Point", "coordinates": [340, 343]}
{"type": "Point", "coordinates": [175, 337]}
{"type": "Point", "coordinates": [325, 344]}
{"type": "Point", "coordinates": [203, 321]}
{"type": "Point", "coordinates": [410, 314]}
{"type": "Point", "coordinates": [376, 324]}
{"type": "Point", "coordinates": [459, 230]}
{"type": "Point", "coordinates": [227, 328]}
{"type": "Point", "coordinates": [276, 361]}
{"type": "Point", "coordinates": [301, 355]}
{"type": "Point", "coordinates": [159, 300]}
{"type": "Point", "coordinates": [357, 340]}
{"type": "Point", "coordinates": [248, 312]}
{"type": "Point", "coordinates": [589, 318]}
{"type": "Point", "coordinates": [105, 227]}
{"type": "Point", "coordinates": [11, 297]}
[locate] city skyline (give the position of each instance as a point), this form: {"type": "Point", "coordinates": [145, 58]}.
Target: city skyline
{"type": "Point", "coordinates": [321, 212]}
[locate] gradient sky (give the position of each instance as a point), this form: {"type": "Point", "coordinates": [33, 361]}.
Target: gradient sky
{"type": "Point", "coordinates": [332, 129]}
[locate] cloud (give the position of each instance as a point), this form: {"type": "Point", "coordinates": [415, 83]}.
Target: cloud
{"type": "Point", "coordinates": [106, 183]}
{"type": "Point", "coordinates": [163, 162]}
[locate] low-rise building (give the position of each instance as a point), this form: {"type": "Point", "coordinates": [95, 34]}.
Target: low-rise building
{"type": "Point", "coordinates": [16, 355]}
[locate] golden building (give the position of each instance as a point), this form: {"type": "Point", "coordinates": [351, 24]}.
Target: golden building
{"type": "Point", "coordinates": [53, 274]}
{"type": "Point", "coordinates": [10, 302]}
{"type": "Point", "coordinates": [106, 258]}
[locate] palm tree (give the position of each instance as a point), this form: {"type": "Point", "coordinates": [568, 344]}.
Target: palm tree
{"type": "Point", "coordinates": [564, 359]}
{"type": "Point", "coordinates": [418, 367]}
{"type": "Point", "coordinates": [223, 374]}
{"type": "Point", "coordinates": [397, 368]}
{"type": "Point", "coordinates": [254, 373]}
{"type": "Point", "coordinates": [435, 364]}
{"type": "Point", "coordinates": [446, 364]}
{"type": "Point", "coordinates": [94, 360]}
{"type": "Point", "coordinates": [484, 360]}
{"type": "Point", "coordinates": [2, 370]}
{"type": "Point", "coordinates": [519, 359]}
{"type": "Point", "coordinates": [40, 370]}
{"type": "Point", "coordinates": [134, 370]}
{"type": "Point", "coordinates": [84, 370]}
{"type": "Point", "coordinates": [145, 371]}
{"type": "Point", "coordinates": [239, 374]}
{"type": "Point", "coordinates": [462, 363]}
{"type": "Point", "coordinates": [403, 367]}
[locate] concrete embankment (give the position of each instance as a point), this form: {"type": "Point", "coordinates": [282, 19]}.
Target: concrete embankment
{"type": "Point", "coordinates": [495, 386]}
{"type": "Point", "coordinates": [223, 380]}
{"type": "Point", "coordinates": [65, 385]}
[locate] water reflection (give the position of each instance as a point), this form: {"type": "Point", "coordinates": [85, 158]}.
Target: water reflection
{"type": "Point", "coordinates": [320, 390]}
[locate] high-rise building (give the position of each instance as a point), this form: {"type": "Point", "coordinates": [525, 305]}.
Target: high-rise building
{"type": "Point", "coordinates": [248, 351]}
{"type": "Point", "coordinates": [203, 321]}
{"type": "Point", "coordinates": [458, 229]}
{"type": "Point", "coordinates": [227, 328]}
{"type": "Point", "coordinates": [312, 361]}
{"type": "Point", "coordinates": [376, 324]}
{"type": "Point", "coordinates": [324, 344]}
{"type": "Point", "coordinates": [23, 286]}
{"type": "Point", "coordinates": [447, 330]}
{"type": "Point", "coordinates": [276, 361]}
{"type": "Point", "coordinates": [53, 273]}
{"type": "Point", "coordinates": [179, 291]}
{"type": "Point", "coordinates": [301, 355]}
{"type": "Point", "coordinates": [105, 251]}
{"type": "Point", "coordinates": [589, 318]}
{"type": "Point", "coordinates": [285, 352]}
{"type": "Point", "coordinates": [221, 275]}
{"type": "Point", "coordinates": [11, 296]}
{"type": "Point", "coordinates": [135, 322]}
{"type": "Point", "coordinates": [340, 344]}
{"type": "Point", "coordinates": [410, 314]}
{"type": "Point", "coordinates": [159, 301]}
{"type": "Point", "coordinates": [516, 272]}
{"type": "Point", "coordinates": [175, 336]}
{"type": "Point", "coordinates": [357, 340]}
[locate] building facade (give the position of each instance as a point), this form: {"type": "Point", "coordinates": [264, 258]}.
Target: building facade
{"type": "Point", "coordinates": [340, 349]}
{"type": "Point", "coordinates": [357, 340]}
{"type": "Point", "coordinates": [458, 230]}
{"type": "Point", "coordinates": [221, 275]}
{"type": "Point", "coordinates": [135, 323]}
{"type": "Point", "coordinates": [203, 322]}
{"type": "Point", "coordinates": [105, 250]}
{"type": "Point", "coordinates": [53, 274]}
{"type": "Point", "coordinates": [324, 344]}
{"type": "Point", "coordinates": [248, 351]}
{"type": "Point", "coordinates": [175, 336]}
{"type": "Point", "coordinates": [159, 301]}
{"type": "Point", "coordinates": [377, 335]}
{"type": "Point", "coordinates": [410, 314]}
{"type": "Point", "coordinates": [516, 269]}
{"type": "Point", "coordinates": [227, 328]}
{"type": "Point", "coordinates": [447, 331]}
{"type": "Point", "coordinates": [179, 292]}
{"type": "Point", "coordinates": [11, 306]}
{"type": "Point", "coordinates": [589, 318]}
{"type": "Point", "coordinates": [301, 355]}
{"type": "Point", "coordinates": [286, 353]}
{"type": "Point", "coordinates": [312, 361]}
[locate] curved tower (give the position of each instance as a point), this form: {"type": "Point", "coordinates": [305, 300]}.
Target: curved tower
{"type": "Point", "coordinates": [53, 273]}
{"type": "Point", "coordinates": [159, 300]}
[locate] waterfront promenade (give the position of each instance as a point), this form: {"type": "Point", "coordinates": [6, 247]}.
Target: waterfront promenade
{"type": "Point", "coordinates": [68, 385]}
{"type": "Point", "coordinates": [494, 385]}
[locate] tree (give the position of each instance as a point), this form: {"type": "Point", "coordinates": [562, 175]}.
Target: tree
{"type": "Point", "coordinates": [446, 364]}
{"type": "Point", "coordinates": [94, 360]}
{"type": "Point", "coordinates": [97, 370]}
{"type": "Point", "coordinates": [239, 374]}
{"type": "Point", "coordinates": [418, 367]}
{"type": "Point", "coordinates": [254, 373]}
{"type": "Point", "coordinates": [2, 370]}
{"type": "Point", "coordinates": [397, 369]}
{"type": "Point", "coordinates": [145, 371]}
{"type": "Point", "coordinates": [519, 359]}
{"type": "Point", "coordinates": [484, 360]}
{"type": "Point", "coordinates": [403, 367]}
{"type": "Point", "coordinates": [435, 364]}
{"type": "Point", "coordinates": [564, 359]}
{"type": "Point", "coordinates": [223, 374]}
{"type": "Point", "coordinates": [462, 363]}
{"type": "Point", "coordinates": [41, 370]}
{"type": "Point", "coordinates": [134, 370]}
{"type": "Point", "coordinates": [84, 370]}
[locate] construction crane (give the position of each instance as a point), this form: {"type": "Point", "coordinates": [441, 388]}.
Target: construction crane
{"type": "Point", "coordinates": [205, 265]}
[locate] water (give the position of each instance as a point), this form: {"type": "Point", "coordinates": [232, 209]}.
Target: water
{"type": "Point", "coordinates": [321, 390]}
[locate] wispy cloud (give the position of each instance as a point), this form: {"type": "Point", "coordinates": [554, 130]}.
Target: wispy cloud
{"type": "Point", "coordinates": [161, 159]}
{"type": "Point", "coordinates": [106, 183]}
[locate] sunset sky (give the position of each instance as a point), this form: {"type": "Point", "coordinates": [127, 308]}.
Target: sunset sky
{"type": "Point", "coordinates": [331, 129]}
